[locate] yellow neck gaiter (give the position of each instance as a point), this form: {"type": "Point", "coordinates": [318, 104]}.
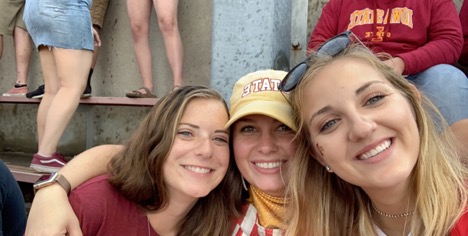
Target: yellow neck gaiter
{"type": "Point", "coordinates": [270, 209]}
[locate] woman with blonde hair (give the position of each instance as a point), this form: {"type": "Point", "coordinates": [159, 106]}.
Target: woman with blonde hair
{"type": "Point", "coordinates": [370, 159]}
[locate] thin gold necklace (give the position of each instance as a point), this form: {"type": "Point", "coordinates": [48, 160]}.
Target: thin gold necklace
{"type": "Point", "coordinates": [406, 214]}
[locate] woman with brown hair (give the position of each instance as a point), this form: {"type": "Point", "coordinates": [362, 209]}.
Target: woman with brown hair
{"type": "Point", "coordinates": [170, 178]}
{"type": "Point", "coordinates": [262, 132]}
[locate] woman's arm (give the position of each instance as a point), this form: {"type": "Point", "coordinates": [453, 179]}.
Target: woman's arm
{"type": "Point", "coordinates": [89, 164]}
{"type": "Point", "coordinates": [51, 213]}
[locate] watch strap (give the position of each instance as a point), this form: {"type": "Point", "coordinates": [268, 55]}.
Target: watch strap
{"type": "Point", "coordinates": [62, 181]}
{"type": "Point", "coordinates": [54, 178]}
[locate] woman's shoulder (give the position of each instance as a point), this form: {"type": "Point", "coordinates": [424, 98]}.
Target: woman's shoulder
{"type": "Point", "coordinates": [95, 192]}
{"type": "Point", "coordinates": [102, 210]}
{"type": "Point", "coordinates": [100, 183]}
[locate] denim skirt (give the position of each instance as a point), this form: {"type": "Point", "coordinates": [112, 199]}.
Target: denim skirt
{"type": "Point", "coordinates": [60, 23]}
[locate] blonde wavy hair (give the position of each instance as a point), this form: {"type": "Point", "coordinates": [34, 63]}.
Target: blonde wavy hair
{"type": "Point", "coordinates": [323, 204]}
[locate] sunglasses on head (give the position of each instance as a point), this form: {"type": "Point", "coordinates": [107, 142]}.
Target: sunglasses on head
{"type": "Point", "coordinates": [331, 47]}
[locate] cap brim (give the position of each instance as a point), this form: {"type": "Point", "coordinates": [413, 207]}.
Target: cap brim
{"type": "Point", "coordinates": [279, 111]}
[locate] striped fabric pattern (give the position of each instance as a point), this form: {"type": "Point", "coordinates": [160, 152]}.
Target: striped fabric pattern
{"type": "Point", "coordinates": [248, 225]}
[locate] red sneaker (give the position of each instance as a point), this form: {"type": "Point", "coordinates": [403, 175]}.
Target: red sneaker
{"type": "Point", "coordinates": [48, 164]}
{"type": "Point", "coordinates": [19, 90]}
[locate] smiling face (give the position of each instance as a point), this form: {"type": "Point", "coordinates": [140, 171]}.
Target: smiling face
{"type": "Point", "coordinates": [199, 157]}
{"type": "Point", "coordinates": [262, 148]}
{"type": "Point", "coordinates": [360, 125]}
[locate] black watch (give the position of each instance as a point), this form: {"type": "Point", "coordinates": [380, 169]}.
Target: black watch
{"type": "Point", "coordinates": [54, 178]}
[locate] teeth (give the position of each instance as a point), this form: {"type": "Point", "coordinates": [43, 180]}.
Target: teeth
{"type": "Point", "coordinates": [376, 150]}
{"type": "Point", "coordinates": [197, 169]}
{"type": "Point", "coordinates": [269, 165]}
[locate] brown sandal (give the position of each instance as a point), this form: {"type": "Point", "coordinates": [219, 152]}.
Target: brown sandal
{"type": "Point", "coordinates": [138, 94]}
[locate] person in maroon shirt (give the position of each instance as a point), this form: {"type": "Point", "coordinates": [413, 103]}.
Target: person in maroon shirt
{"type": "Point", "coordinates": [423, 37]}
{"type": "Point", "coordinates": [171, 178]}
{"type": "Point", "coordinates": [463, 60]}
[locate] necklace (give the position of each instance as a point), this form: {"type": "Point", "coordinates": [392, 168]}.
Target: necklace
{"type": "Point", "coordinates": [392, 215]}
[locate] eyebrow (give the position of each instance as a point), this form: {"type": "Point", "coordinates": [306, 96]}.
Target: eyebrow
{"type": "Point", "coordinates": [366, 85]}
{"type": "Point", "coordinates": [198, 127]}
{"type": "Point", "coordinates": [222, 131]}
{"type": "Point", "coordinates": [358, 91]}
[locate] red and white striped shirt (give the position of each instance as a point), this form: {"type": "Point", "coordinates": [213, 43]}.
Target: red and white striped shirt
{"type": "Point", "coordinates": [248, 224]}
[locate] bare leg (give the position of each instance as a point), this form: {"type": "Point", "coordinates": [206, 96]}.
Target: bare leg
{"type": "Point", "coordinates": [168, 24]}
{"type": "Point", "coordinates": [87, 91]}
{"type": "Point", "coordinates": [139, 13]}
{"type": "Point", "coordinates": [23, 50]}
{"type": "Point", "coordinates": [72, 69]}
{"type": "Point", "coordinates": [51, 79]}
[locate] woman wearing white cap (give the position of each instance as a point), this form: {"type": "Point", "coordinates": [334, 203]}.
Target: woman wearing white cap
{"type": "Point", "coordinates": [262, 130]}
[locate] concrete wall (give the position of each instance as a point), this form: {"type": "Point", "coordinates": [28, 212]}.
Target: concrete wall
{"type": "Point", "coordinates": [223, 40]}
{"type": "Point", "coordinates": [116, 73]}
{"type": "Point", "coordinates": [247, 36]}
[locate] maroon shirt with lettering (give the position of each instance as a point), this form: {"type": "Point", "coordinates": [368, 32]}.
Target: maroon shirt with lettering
{"type": "Point", "coordinates": [422, 33]}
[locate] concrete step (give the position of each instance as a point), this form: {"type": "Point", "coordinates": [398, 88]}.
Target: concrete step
{"type": "Point", "coordinates": [16, 158]}
{"type": "Point", "coordinates": [18, 163]}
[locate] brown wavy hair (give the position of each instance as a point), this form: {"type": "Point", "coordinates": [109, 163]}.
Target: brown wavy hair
{"type": "Point", "coordinates": [137, 171]}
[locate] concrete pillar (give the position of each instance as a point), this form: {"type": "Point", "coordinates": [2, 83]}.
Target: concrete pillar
{"type": "Point", "coordinates": [247, 36]}
{"type": "Point", "coordinates": [298, 31]}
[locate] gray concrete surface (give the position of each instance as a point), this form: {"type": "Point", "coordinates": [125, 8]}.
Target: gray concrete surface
{"type": "Point", "coordinates": [116, 73]}
{"type": "Point", "coordinates": [223, 40]}
{"type": "Point", "coordinates": [248, 36]}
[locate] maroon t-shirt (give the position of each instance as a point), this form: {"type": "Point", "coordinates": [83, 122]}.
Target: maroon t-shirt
{"type": "Point", "coordinates": [422, 33]}
{"type": "Point", "coordinates": [101, 210]}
